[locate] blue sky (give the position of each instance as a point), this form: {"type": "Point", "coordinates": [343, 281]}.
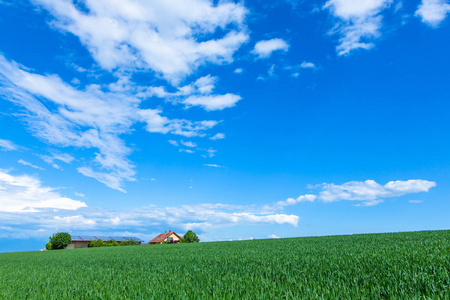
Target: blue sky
{"type": "Point", "coordinates": [237, 120]}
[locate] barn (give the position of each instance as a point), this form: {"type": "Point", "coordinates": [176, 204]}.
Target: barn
{"type": "Point", "coordinates": [82, 241]}
{"type": "Point", "coordinates": [170, 237]}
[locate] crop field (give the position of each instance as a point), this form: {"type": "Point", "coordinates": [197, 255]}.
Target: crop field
{"type": "Point", "coordinates": [413, 265]}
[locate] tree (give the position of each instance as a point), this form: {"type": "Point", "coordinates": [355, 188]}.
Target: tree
{"type": "Point", "coordinates": [190, 237]}
{"type": "Point", "coordinates": [59, 240]}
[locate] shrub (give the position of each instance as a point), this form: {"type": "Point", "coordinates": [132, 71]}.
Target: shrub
{"type": "Point", "coordinates": [111, 243]}
{"type": "Point", "coordinates": [48, 246]}
{"type": "Point", "coordinates": [129, 243]}
{"type": "Point", "coordinates": [96, 243]}
{"type": "Point", "coordinates": [59, 240]}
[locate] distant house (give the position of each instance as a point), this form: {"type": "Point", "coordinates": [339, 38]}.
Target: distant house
{"type": "Point", "coordinates": [170, 237]}
{"type": "Point", "coordinates": [82, 241]}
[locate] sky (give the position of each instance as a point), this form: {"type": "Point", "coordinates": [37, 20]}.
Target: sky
{"type": "Point", "coordinates": [235, 119]}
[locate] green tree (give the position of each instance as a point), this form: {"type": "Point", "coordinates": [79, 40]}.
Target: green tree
{"type": "Point", "coordinates": [59, 240]}
{"type": "Point", "coordinates": [190, 237]}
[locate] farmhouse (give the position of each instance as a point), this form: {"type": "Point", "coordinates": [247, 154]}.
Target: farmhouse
{"type": "Point", "coordinates": [170, 237]}
{"type": "Point", "coordinates": [82, 241]}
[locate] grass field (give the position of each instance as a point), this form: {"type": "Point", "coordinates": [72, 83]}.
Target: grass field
{"type": "Point", "coordinates": [412, 265]}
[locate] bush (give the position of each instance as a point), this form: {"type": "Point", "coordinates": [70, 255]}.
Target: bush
{"type": "Point", "coordinates": [190, 237]}
{"type": "Point", "coordinates": [59, 240]}
{"type": "Point", "coordinates": [129, 243]}
{"type": "Point", "coordinates": [97, 243]}
{"type": "Point", "coordinates": [112, 243]}
{"type": "Point", "coordinates": [48, 246]}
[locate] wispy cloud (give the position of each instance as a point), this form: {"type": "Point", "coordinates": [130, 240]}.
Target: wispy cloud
{"type": "Point", "coordinates": [264, 49]}
{"type": "Point", "coordinates": [174, 143]}
{"type": "Point", "coordinates": [76, 121]}
{"type": "Point", "coordinates": [64, 157]}
{"type": "Point", "coordinates": [187, 151]}
{"type": "Point", "coordinates": [415, 201]}
{"type": "Point", "coordinates": [357, 22]}
{"type": "Point", "coordinates": [218, 136]}
{"type": "Point", "coordinates": [296, 69]}
{"type": "Point", "coordinates": [213, 165]}
{"type": "Point", "coordinates": [25, 163]}
{"type": "Point", "coordinates": [433, 12]}
{"type": "Point", "coordinates": [6, 145]}
{"type": "Point", "coordinates": [198, 93]}
{"type": "Point", "coordinates": [188, 144]}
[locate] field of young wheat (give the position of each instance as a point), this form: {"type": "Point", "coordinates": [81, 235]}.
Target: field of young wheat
{"type": "Point", "coordinates": [372, 266]}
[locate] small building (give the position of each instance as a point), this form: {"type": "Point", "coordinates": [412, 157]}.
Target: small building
{"type": "Point", "coordinates": [170, 237]}
{"type": "Point", "coordinates": [82, 241]}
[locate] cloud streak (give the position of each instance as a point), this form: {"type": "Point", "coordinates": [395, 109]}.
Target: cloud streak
{"type": "Point", "coordinates": [6, 145]}
{"type": "Point", "coordinates": [25, 163]}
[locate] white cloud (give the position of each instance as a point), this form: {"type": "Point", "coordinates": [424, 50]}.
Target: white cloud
{"type": "Point", "coordinates": [307, 65]}
{"type": "Point", "coordinates": [302, 198]}
{"type": "Point", "coordinates": [6, 145]}
{"type": "Point", "coordinates": [273, 236]}
{"type": "Point", "coordinates": [270, 73]}
{"type": "Point", "coordinates": [159, 124]}
{"type": "Point", "coordinates": [25, 163]}
{"type": "Point", "coordinates": [367, 191]}
{"type": "Point", "coordinates": [433, 12]}
{"type": "Point", "coordinates": [80, 195]}
{"type": "Point", "coordinates": [210, 152]}
{"type": "Point", "coordinates": [174, 143]}
{"type": "Point", "coordinates": [170, 37]}
{"type": "Point", "coordinates": [238, 71]}
{"type": "Point", "coordinates": [359, 22]}
{"type": "Point", "coordinates": [218, 136]}
{"type": "Point", "coordinates": [264, 49]}
{"type": "Point", "coordinates": [415, 201]}
{"type": "Point", "coordinates": [188, 144]}
{"type": "Point", "coordinates": [187, 151]}
{"type": "Point", "coordinates": [26, 194]}
{"type": "Point", "coordinates": [213, 165]}
{"type": "Point", "coordinates": [64, 157]}
{"type": "Point", "coordinates": [369, 203]}
{"type": "Point", "coordinates": [371, 191]}
{"type": "Point", "coordinates": [76, 120]}
{"type": "Point", "coordinates": [213, 102]}
{"type": "Point", "coordinates": [198, 93]}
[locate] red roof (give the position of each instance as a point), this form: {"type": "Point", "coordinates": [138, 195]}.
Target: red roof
{"type": "Point", "coordinates": [162, 236]}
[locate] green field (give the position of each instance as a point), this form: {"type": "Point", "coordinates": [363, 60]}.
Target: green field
{"type": "Point", "coordinates": [413, 265]}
